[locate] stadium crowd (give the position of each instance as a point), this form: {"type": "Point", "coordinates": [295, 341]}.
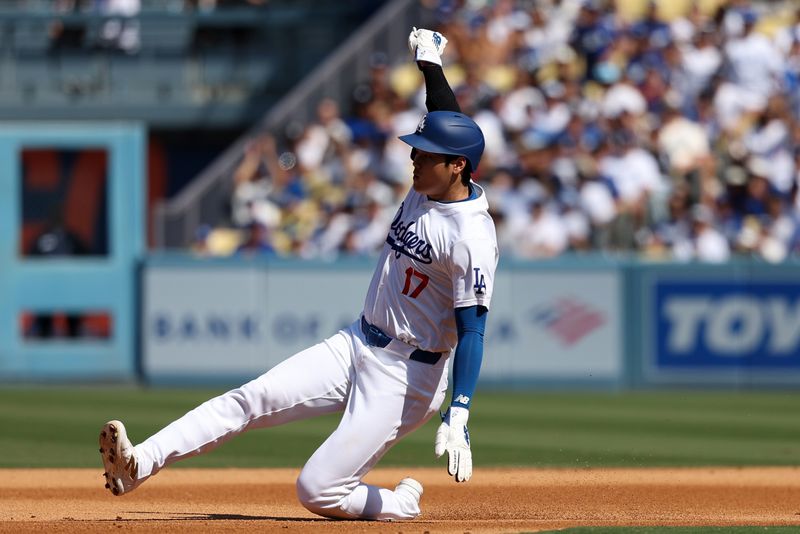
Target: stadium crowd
{"type": "Point", "coordinates": [673, 138]}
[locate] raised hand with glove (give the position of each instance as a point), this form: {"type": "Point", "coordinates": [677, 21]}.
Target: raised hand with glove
{"type": "Point", "coordinates": [427, 45]}
{"type": "Point", "coordinates": [453, 438]}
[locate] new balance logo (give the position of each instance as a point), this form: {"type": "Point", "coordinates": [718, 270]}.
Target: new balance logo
{"type": "Point", "coordinates": [462, 399]}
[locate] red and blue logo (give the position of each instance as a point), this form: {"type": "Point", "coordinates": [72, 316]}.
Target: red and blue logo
{"type": "Point", "coordinates": [568, 319]}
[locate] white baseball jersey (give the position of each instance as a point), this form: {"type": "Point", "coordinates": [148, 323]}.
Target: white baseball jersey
{"type": "Point", "coordinates": [438, 256]}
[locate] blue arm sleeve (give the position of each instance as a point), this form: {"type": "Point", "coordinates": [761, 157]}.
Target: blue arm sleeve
{"type": "Point", "coordinates": [470, 323]}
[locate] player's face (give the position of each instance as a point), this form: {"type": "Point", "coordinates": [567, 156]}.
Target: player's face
{"type": "Point", "coordinates": [434, 177]}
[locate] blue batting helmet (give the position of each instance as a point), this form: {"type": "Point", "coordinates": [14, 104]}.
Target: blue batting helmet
{"type": "Point", "coordinates": [448, 132]}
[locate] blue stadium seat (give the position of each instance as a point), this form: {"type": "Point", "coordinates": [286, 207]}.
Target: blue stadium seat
{"type": "Point", "coordinates": [259, 69]}
{"type": "Point", "coordinates": [165, 34]}
{"type": "Point", "coordinates": [82, 75]}
{"type": "Point", "coordinates": [173, 6]}
{"type": "Point", "coordinates": [35, 82]}
{"type": "Point", "coordinates": [219, 66]}
{"type": "Point", "coordinates": [31, 36]}
{"type": "Point", "coordinates": [143, 80]}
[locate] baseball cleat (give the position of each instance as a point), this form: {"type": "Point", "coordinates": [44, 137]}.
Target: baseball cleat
{"type": "Point", "coordinates": [410, 488]}
{"type": "Point", "coordinates": [119, 458]}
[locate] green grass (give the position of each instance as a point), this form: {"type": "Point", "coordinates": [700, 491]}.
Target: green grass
{"type": "Point", "coordinates": [57, 427]}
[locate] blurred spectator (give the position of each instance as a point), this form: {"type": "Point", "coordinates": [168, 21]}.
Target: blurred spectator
{"type": "Point", "coordinates": [322, 142]}
{"type": "Point", "coordinates": [701, 60]}
{"type": "Point", "coordinates": [795, 204]}
{"type": "Point", "coordinates": [121, 30]}
{"type": "Point", "coordinates": [369, 232]}
{"type": "Point", "coordinates": [553, 117]}
{"type": "Point", "coordinates": [621, 96]}
{"type": "Point", "coordinates": [253, 184]}
{"type": "Point", "coordinates": [787, 37]}
{"type": "Point", "coordinates": [544, 235]}
{"type": "Point", "coordinates": [520, 104]}
{"type": "Point", "coordinates": [683, 144]}
{"type": "Point", "coordinates": [332, 234]}
{"type": "Point", "coordinates": [368, 94]}
{"type": "Point", "coordinates": [753, 61]}
{"type": "Point", "coordinates": [686, 25]}
{"type": "Point", "coordinates": [769, 140]}
{"type": "Point", "coordinates": [758, 188]}
{"type": "Point", "coordinates": [497, 152]}
{"type": "Point", "coordinates": [779, 229]}
{"type": "Point", "coordinates": [578, 228]}
{"type": "Point", "coordinates": [650, 24]}
{"type": "Point", "coordinates": [593, 34]}
{"type": "Point", "coordinates": [597, 200]}
{"type": "Point", "coordinates": [545, 36]}
{"type": "Point", "coordinates": [505, 195]}
{"type": "Point", "coordinates": [707, 243]}
{"type": "Point", "coordinates": [257, 242]}
{"type": "Point", "coordinates": [791, 74]}
{"type": "Point", "coordinates": [635, 174]}
{"type": "Point", "coordinates": [473, 93]}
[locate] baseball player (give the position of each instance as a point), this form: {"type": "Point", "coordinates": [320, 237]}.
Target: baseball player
{"type": "Point", "coordinates": [386, 373]}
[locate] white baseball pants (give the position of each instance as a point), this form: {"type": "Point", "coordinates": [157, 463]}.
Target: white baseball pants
{"type": "Point", "coordinates": [383, 395]}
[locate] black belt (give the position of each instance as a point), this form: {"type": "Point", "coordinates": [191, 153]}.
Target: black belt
{"type": "Point", "coordinates": [377, 338]}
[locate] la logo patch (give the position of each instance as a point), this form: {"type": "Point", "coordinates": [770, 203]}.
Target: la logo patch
{"type": "Point", "coordinates": [421, 125]}
{"type": "Point", "coordinates": [480, 284]}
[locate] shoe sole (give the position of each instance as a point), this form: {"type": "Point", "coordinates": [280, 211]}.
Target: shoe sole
{"type": "Point", "coordinates": [113, 462]}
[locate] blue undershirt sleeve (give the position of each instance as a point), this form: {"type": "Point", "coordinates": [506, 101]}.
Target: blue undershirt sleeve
{"type": "Point", "coordinates": [470, 324]}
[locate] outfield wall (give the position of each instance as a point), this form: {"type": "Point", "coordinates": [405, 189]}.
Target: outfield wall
{"type": "Point", "coordinates": [575, 323]}
{"type": "Point", "coordinates": [566, 323]}
{"type": "Point", "coordinates": [220, 319]}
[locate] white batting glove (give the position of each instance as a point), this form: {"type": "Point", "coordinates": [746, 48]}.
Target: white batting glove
{"type": "Point", "coordinates": [453, 438]}
{"type": "Point", "coordinates": [427, 45]}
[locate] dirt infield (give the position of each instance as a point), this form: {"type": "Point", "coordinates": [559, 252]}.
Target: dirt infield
{"type": "Point", "coordinates": [507, 500]}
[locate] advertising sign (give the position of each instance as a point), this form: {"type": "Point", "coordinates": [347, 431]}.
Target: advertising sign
{"type": "Point", "coordinates": [236, 321]}
{"type": "Point", "coordinates": [728, 324]}
{"type": "Point", "coordinates": [554, 326]}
